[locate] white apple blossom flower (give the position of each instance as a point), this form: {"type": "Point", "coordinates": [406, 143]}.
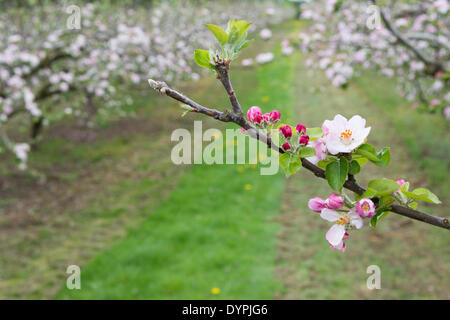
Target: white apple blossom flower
{"type": "Point", "coordinates": [344, 221]}
{"type": "Point", "coordinates": [263, 58]}
{"type": "Point", "coordinates": [265, 34]}
{"type": "Point", "coordinates": [345, 135]}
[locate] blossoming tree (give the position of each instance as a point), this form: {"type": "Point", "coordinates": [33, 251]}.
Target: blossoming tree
{"type": "Point", "coordinates": [336, 152]}
{"type": "Point", "coordinates": [407, 40]}
{"type": "Point", "coordinates": [49, 73]}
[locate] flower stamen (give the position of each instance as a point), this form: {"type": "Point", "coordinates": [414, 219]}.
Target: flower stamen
{"type": "Point", "coordinates": [346, 137]}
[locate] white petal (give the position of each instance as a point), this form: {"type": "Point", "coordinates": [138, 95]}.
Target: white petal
{"type": "Point", "coordinates": [329, 214]}
{"type": "Point", "coordinates": [357, 221]}
{"type": "Point", "coordinates": [356, 122]}
{"type": "Point", "coordinates": [335, 234]}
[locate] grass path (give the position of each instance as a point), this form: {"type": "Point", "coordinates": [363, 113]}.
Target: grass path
{"type": "Point", "coordinates": [413, 257]}
{"type": "Point", "coordinates": [214, 230]}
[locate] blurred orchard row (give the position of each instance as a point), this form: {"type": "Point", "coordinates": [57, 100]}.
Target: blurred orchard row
{"type": "Point", "coordinates": [408, 40]}
{"type": "Point", "coordinates": [50, 72]}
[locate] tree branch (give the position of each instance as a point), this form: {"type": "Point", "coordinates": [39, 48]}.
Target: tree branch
{"type": "Point", "coordinates": [224, 77]}
{"type": "Point", "coordinates": [349, 184]}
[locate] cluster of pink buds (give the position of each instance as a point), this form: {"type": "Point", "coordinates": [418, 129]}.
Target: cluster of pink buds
{"type": "Point", "coordinates": [255, 116]}
{"type": "Point", "coordinates": [286, 131]}
{"type": "Point", "coordinates": [344, 220]}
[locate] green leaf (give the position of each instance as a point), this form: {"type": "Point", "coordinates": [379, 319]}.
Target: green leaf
{"type": "Point", "coordinates": [244, 44]}
{"type": "Point", "coordinates": [385, 201]}
{"type": "Point", "coordinates": [336, 173]}
{"type": "Point", "coordinates": [306, 152]}
{"type": "Point", "coordinates": [290, 163]}
{"type": "Point", "coordinates": [354, 167]}
{"type": "Point", "coordinates": [367, 151]}
{"type": "Point", "coordinates": [422, 194]}
{"type": "Point", "coordinates": [383, 187]}
{"type": "Point", "coordinates": [370, 193]}
{"type": "Point", "coordinates": [384, 156]}
{"type": "Point", "coordinates": [378, 217]}
{"type": "Point", "coordinates": [360, 159]}
{"type": "Point", "coordinates": [220, 34]}
{"type": "Point", "coordinates": [201, 57]}
{"type": "Point", "coordinates": [414, 205]}
{"type": "Point", "coordinates": [314, 133]}
{"type": "Point", "coordinates": [323, 163]}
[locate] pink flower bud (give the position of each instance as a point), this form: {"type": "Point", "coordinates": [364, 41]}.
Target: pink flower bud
{"type": "Point", "coordinates": [317, 204]}
{"type": "Point", "coordinates": [304, 139]}
{"type": "Point", "coordinates": [286, 146]}
{"type": "Point", "coordinates": [286, 131]}
{"type": "Point", "coordinates": [335, 202]}
{"type": "Point", "coordinates": [401, 182]}
{"type": "Point", "coordinates": [365, 208]}
{"type": "Point", "coordinates": [275, 115]}
{"type": "Point", "coordinates": [301, 128]}
{"type": "Point", "coordinates": [266, 117]}
{"type": "Point", "coordinates": [254, 114]}
{"type": "Point", "coordinates": [345, 235]}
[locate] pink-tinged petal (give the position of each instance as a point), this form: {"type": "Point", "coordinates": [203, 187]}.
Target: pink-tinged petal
{"type": "Point", "coordinates": [401, 182]}
{"type": "Point", "coordinates": [329, 215]}
{"type": "Point", "coordinates": [316, 204]}
{"type": "Point", "coordinates": [335, 202]}
{"type": "Point", "coordinates": [335, 234]}
{"type": "Point", "coordinates": [318, 149]}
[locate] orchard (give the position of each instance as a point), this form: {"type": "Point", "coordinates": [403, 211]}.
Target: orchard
{"type": "Point", "coordinates": [230, 149]}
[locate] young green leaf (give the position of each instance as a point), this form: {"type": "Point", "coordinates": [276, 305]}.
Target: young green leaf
{"type": "Point", "coordinates": [290, 163]}
{"type": "Point", "coordinates": [220, 34]}
{"type": "Point", "coordinates": [384, 157]}
{"type": "Point", "coordinates": [370, 193]}
{"type": "Point", "coordinates": [306, 152]}
{"type": "Point", "coordinates": [378, 217]}
{"type": "Point", "coordinates": [383, 187]}
{"type": "Point", "coordinates": [354, 167]}
{"type": "Point", "coordinates": [367, 151]}
{"type": "Point", "coordinates": [314, 133]}
{"type": "Point", "coordinates": [422, 194]}
{"type": "Point", "coordinates": [336, 173]}
{"type": "Point", "coordinates": [201, 57]}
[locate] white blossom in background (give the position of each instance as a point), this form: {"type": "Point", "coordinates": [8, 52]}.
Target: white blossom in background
{"type": "Point", "coordinates": [263, 58]}
{"type": "Point", "coordinates": [48, 73]}
{"type": "Point", "coordinates": [342, 46]}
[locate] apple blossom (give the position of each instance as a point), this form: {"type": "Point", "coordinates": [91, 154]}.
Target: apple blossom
{"type": "Point", "coordinates": [301, 128]}
{"type": "Point", "coordinates": [254, 114]}
{"type": "Point", "coordinates": [275, 115]}
{"type": "Point", "coordinates": [286, 146]}
{"type": "Point", "coordinates": [341, 245]}
{"type": "Point", "coordinates": [334, 202]}
{"type": "Point", "coordinates": [286, 131]}
{"type": "Point", "coordinates": [344, 221]}
{"type": "Point", "coordinates": [317, 204]}
{"type": "Point", "coordinates": [365, 208]}
{"type": "Point", "coordinates": [304, 139]}
{"type": "Point", "coordinates": [345, 135]}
